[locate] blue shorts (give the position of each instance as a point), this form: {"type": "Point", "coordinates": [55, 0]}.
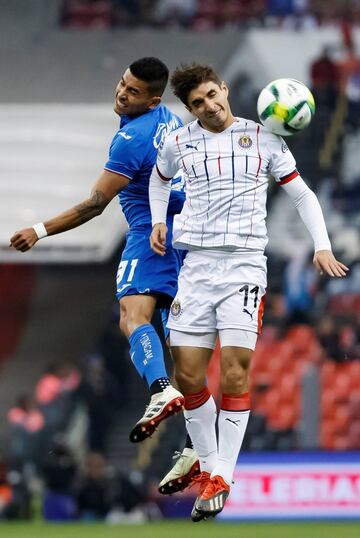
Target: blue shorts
{"type": "Point", "coordinates": [142, 272]}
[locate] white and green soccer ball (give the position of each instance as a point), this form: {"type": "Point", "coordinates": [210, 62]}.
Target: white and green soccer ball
{"type": "Point", "coordinates": [285, 106]}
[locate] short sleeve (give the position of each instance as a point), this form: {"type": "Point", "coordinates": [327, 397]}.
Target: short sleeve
{"type": "Point", "coordinates": [166, 163]}
{"type": "Point", "coordinates": [282, 163]}
{"type": "Point", "coordinates": [126, 153]}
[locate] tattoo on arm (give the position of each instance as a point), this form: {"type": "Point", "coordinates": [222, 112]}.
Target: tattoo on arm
{"type": "Point", "coordinates": [92, 207]}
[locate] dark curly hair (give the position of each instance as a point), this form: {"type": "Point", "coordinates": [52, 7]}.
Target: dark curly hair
{"type": "Point", "coordinates": [188, 77]}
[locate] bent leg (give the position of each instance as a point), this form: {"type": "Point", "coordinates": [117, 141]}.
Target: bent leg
{"type": "Point", "coordinates": [148, 358]}
{"type": "Point", "coordinates": [146, 351]}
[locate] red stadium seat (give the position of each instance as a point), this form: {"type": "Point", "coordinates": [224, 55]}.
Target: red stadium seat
{"type": "Point", "coordinates": [342, 385]}
{"type": "Point", "coordinates": [344, 304]}
{"type": "Point", "coordinates": [328, 372]}
{"type": "Point", "coordinates": [327, 404]}
{"type": "Point", "coordinates": [342, 420]}
{"type": "Point", "coordinates": [354, 435]}
{"type": "Point", "coordinates": [283, 417]}
{"type": "Point", "coordinates": [327, 435]}
{"type": "Point", "coordinates": [354, 406]}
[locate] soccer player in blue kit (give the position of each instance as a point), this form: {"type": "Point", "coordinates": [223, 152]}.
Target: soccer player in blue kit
{"type": "Point", "coordinates": [145, 281]}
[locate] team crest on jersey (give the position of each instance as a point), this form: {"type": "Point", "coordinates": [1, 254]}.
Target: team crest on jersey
{"type": "Point", "coordinates": [245, 141]}
{"type": "Point", "coordinates": [175, 309]}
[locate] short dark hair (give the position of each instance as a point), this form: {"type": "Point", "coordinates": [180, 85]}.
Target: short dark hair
{"type": "Point", "coordinates": [188, 77]}
{"type": "Point", "coordinates": [152, 71]}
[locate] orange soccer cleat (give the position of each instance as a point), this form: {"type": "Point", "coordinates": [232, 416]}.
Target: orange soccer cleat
{"type": "Point", "coordinates": [211, 499]}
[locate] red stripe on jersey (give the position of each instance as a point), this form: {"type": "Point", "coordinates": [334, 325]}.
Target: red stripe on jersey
{"type": "Point", "coordinates": [260, 314]}
{"type": "Point", "coordinates": [235, 402]}
{"type": "Point", "coordinates": [288, 177]}
{"type": "Point", "coordinates": [160, 174]}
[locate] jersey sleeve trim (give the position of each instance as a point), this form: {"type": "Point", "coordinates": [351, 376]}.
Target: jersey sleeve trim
{"type": "Point", "coordinates": [288, 177]}
{"type": "Point", "coordinates": [164, 178]}
{"type": "Point", "coordinates": [118, 173]}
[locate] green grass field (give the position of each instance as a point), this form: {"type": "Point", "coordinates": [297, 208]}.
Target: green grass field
{"type": "Point", "coordinates": [182, 529]}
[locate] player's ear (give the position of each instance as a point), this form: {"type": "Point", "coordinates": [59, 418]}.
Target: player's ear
{"type": "Point", "coordinates": [224, 87]}
{"type": "Point", "coordinates": [154, 102]}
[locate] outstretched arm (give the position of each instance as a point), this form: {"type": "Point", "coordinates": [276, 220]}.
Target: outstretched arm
{"type": "Point", "coordinates": [105, 189]}
{"type": "Point", "coordinates": [159, 193]}
{"type": "Point", "coordinates": [307, 204]}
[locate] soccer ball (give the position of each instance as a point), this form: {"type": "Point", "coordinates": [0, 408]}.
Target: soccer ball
{"type": "Point", "coordinates": [285, 106]}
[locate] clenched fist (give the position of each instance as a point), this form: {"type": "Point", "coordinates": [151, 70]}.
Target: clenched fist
{"type": "Point", "coordinates": [24, 239]}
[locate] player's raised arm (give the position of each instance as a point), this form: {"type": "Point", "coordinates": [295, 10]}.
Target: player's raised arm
{"type": "Point", "coordinates": [307, 204]}
{"type": "Point", "coordinates": [159, 194]}
{"type": "Point", "coordinates": [105, 189]}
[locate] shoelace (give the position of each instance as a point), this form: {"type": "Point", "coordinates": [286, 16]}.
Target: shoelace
{"type": "Point", "coordinates": [213, 486]}
{"type": "Point", "coordinates": [177, 455]}
{"type": "Point", "coordinates": [201, 480]}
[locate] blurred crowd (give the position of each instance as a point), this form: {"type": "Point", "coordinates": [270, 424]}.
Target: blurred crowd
{"type": "Point", "coordinates": [211, 14]}
{"type": "Point", "coordinates": [56, 457]}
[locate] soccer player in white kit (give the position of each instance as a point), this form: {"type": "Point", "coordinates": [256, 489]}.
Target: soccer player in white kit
{"type": "Point", "coordinates": [227, 162]}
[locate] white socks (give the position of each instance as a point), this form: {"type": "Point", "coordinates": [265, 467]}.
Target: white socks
{"type": "Point", "coordinates": [232, 426]}
{"type": "Point", "coordinates": [200, 424]}
{"type": "Point", "coordinates": [217, 457]}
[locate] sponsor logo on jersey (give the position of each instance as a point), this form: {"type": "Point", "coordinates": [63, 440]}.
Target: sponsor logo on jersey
{"type": "Point", "coordinates": [163, 130]}
{"type": "Point", "coordinates": [124, 135]}
{"type": "Point", "coordinates": [284, 147]}
{"type": "Point", "coordinates": [175, 309]}
{"type": "Point", "coordinates": [245, 141]}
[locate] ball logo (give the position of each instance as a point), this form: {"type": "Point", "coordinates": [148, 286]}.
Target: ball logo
{"type": "Point", "coordinates": [245, 141]}
{"type": "Point", "coordinates": [175, 309]}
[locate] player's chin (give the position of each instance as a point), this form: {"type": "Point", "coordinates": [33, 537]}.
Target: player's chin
{"type": "Point", "coordinates": [120, 110]}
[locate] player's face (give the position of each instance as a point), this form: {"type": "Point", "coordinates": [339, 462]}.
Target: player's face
{"type": "Point", "coordinates": [132, 96]}
{"type": "Point", "coordinates": [209, 103]}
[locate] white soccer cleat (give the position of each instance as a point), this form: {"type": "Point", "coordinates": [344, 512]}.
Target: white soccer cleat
{"type": "Point", "coordinates": [162, 405]}
{"type": "Point", "coordinates": [179, 477]}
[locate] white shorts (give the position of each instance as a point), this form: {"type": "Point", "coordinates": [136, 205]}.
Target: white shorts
{"type": "Point", "coordinates": [227, 337]}
{"type": "Point", "coordinates": [219, 290]}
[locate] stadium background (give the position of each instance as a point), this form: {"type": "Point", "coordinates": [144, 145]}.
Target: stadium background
{"type": "Point", "coordinates": [67, 390]}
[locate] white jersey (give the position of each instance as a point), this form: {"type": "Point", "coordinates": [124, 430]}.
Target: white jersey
{"type": "Point", "coordinates": [226, 180]}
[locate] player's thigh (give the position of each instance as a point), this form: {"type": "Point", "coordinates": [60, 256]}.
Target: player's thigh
{"type": "Point", "coordinates": [191, 353]}
{"type": "Point", "coordinates": [138, 307]}
{"type": "Point", "coordinates": [192, 310]}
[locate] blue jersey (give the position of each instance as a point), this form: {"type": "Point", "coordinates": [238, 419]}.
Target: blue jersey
{"type": "Point", "coordinates": [133, 154]}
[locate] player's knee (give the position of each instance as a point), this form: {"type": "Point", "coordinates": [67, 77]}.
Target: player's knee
{"type": "Point", "coordinates": [235, 378]}
{"type": "Point", "coordinates": [231, 385]}
{"type": "Point", "coordinates": [124, 326]}
{"type": "Point", "coordinates": [189, 381]}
